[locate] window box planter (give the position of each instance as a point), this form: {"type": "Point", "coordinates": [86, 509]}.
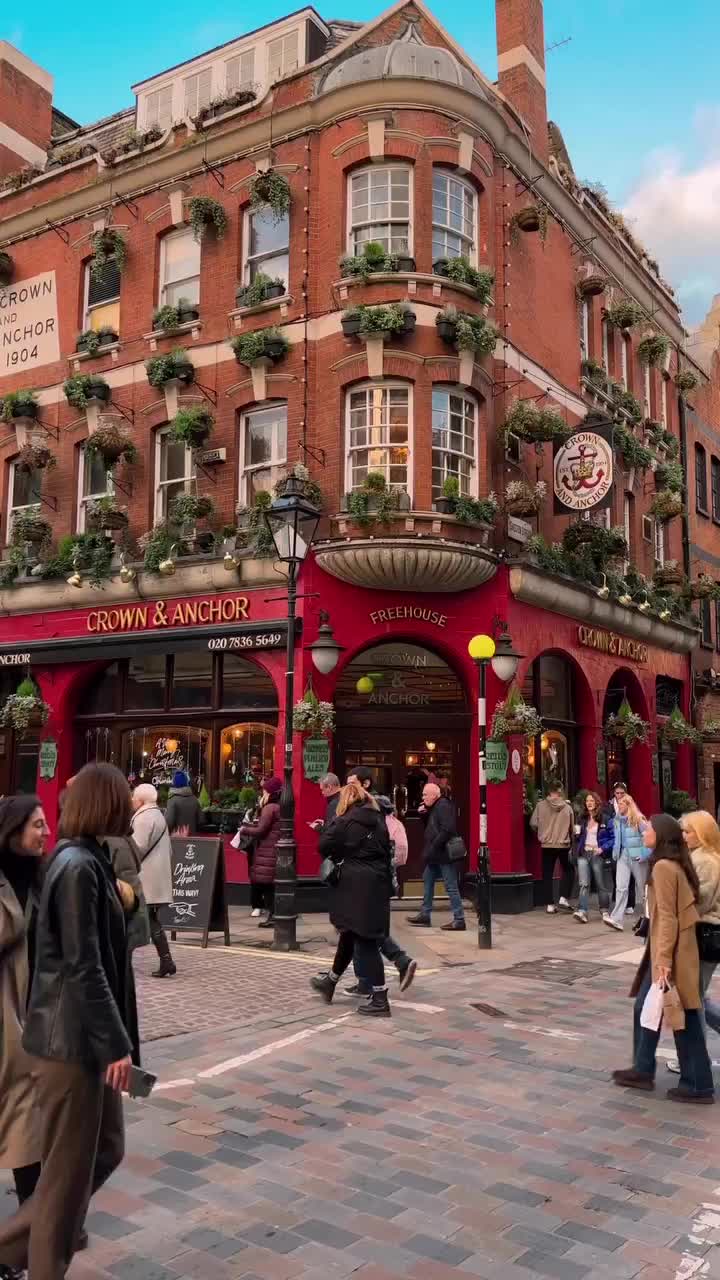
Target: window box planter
{"type": "Point", "coordinates": [187, 313]}
{"type": "Point", "coordinates": [242, 98]}
{"type": "Point", "coordinates": [351, 324]}
{"type": "Point", "coordinates": [98, 389]}
{"type": "Point", "coordinates": [445, 506]}
{"type": "Point", "coordinates": [107, 519]}
{"type": "Point", "coordinates": [250, 296]}
{"type": "Point", "coordinates": [92, 341]}
{"type": "Point", "coordinates": [446, 329]}
{"type": "Point", "coordinates": [403, 262]}
{"type": "Point", "coordinates": [7, 268]}
{"type": "Point", "coordinates": [170, 369]}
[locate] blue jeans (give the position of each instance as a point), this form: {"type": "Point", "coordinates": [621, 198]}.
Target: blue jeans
{"type": "Point", "coordinates": [447, 871]}
{"type": "Point", "coordinates": [695, 1070]}
{"type": "Point", "coordinates": [589, 869]}
{"type": "Point", "coordinates": [711, 1007]}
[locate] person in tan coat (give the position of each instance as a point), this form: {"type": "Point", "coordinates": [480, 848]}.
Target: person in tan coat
{"type": "Point", "coordinates": [671, 958]}
{"type": "Point", "coordinates": [23, 837]}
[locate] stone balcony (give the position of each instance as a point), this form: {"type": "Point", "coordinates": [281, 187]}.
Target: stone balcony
{"type": "Point", "coordinates": [420, 551]}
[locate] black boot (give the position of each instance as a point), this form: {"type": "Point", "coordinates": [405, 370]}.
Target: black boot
{"type": "Point", "coordinates": [324, 984]}
{"type": "Point", "coordinates": [167, 969]}
{"type": "Point", "coordinates": [159, 940]}
{"type": "Point", "coordinates": [377, 1006]}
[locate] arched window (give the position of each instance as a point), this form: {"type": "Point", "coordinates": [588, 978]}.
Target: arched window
{"type": "Point", "coordinates": [454, 231]}
{"type": "Point", "coordinates": [379, 208]}
{"type": "Point", "coordinates": [379, 433]}
{"type": "Point", "coordinates": [701, 481]}
{"type": "Point", "coordinates": [454, 440]}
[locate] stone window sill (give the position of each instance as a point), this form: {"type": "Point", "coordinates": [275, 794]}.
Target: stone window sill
{"type": "Point", "coordinates": [412, 279]}
{"type": "Point", "coordinates": [192, 327]}
{"type": "Point", "coordinates": [111, 349]}
{"type": "Point", "coordinates": [259, 308]}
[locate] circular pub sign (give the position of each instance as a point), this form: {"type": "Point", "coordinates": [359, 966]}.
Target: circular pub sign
{"type": "Point", "coordinates": [583, 471]}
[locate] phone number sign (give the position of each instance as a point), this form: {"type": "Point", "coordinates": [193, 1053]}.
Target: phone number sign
{"type": "Point", "coordinates": [258, 640]}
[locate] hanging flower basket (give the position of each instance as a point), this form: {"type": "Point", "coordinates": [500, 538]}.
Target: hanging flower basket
{"type": "Point", "coordinates": [29, 527]}
{"type": "Point", "coordinates": [677, 730]}
{"type": "Point", "coordinates": [205, 212]}
{"type": "Point", "coordinates": [107, 244]}
{"type": "Point", "coordinates": [686, 380]}
{"type": "Point", "coordinates": [24, 709]}
{"type": "Point", "coordinates": [624, 315]}
{"type": "Point", "coordinates": [84, 387]}
{"type": "Point", "coordinates": [653, 349]}
{"type": "Point", "coordinates": [270, 190]}
{"type": "Point", "coordinates": [192, 426]}
{"type": "Point", "coordinates": [666, 505]}
{"type": "Point", "coordinates": [104, 513]}
{"type": "Point", "coordinates": [627, 725]}
{"type": "Point", "coordinates": [704, 588]}
{"type": "Point", "coordinates": [19, 404]}
{"type": "Point", "coordinates": [670, 575]}
{"type": "Point", "coordinates": [514, 715]}
{"type": "Point", "coordinates": [34, 457]}
{"type": "Point", "coordinates": [312, 716]}
{"type": "Point", "coordinates": [523, 499]}
{"type": "Point", "coordinates": [112, 445]}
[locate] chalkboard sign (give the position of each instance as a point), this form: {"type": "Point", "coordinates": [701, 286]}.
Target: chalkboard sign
{"type": "Point", "coordinates": [199, 900]}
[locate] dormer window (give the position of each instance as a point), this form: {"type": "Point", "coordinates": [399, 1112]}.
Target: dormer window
{"type": "Point", "coordinates": [282, 56]}
{"type": "Point", "coordinates": [197, 92]}
{"type": "Point", "coordinates": [158, 108]}
{"type": "Point", "coordinates": [240, 72]}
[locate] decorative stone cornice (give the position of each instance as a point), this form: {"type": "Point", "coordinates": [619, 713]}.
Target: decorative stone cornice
{"type": "Point", "coordinates": [407, 564]}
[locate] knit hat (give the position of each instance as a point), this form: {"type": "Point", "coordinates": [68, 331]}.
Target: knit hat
{"type": "Point", "coordinates": [180, 779]}
{"type": "Point", "coordinates": [273, 786]}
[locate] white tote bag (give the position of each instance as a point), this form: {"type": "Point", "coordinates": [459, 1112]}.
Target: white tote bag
{"type": "Point", "coordinates": [652, 1010]}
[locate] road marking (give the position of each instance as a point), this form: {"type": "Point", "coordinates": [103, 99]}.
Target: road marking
{"type": "Point", "coordinates": [420, 1008]}
{"type": "Point", "coordinates": [627, 957]}
{"type": "Point", "coordinates": [230, 1064]}
{"type": "Point", "coordinates": [173, 1084]}
{"type": "Point", "coordinates": [552, 1032]}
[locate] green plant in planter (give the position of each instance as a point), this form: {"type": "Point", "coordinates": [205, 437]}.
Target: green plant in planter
{"type": "Point", "coordinates": [90, 553]}
{"type": "Point", "coordinates": [24, 709]}
{"type": "Point", "coordinates": [666, 505]}
{"type": "Point", "coordinates": [254, 529]}
{"type": "Point", "coordinates": [679, 803]}
{"type": "Point", "coordinates": [670, 475]}
{"type": "Point", "coordinates": [166, 318]}
{"type": "Point", "coordinates": [659, 438]}
{"type": "Point", "coordinates": [192, 426]}
{"type": "Point", "coordinates": [312, 716]}
{"type": "Point", "coordinates": [624, 314]}
{"type": "Point", "coordinates": [627, 725]}
{"type": "Point", "coordinates": [451, 488]}
{"type": "Point", "coordinates": [653, 349]}
{"type": "Point", "coordinates": [311, 490]}
{"type": "Point", "coordinates": [372, 259]}
{"type": "Point", "coordinates": [19, 404]}
{"type": "Point", "coordinates": [174, 364]}
{"type": "Point", "coordinates": [594, 372]}
{"type": "Point", "coordinates": [389, 318]}
{"type": "Point", "coordinates": [104, 513]}
{"type": "Point", "coordinates": [112, 445]}
{"type": "Point", "coordinates": [602, 544]}
{"type": "Point", "coordinates": [461, 272]}
{"type": "Point", "coordinates": [270, 189]}
{"type": "Point", "coordinates": [524, 499]}
{"type": "Point", "coordinates": [29, 526]}
{"type": "Point", "coordinates": [632, 451]}
{"type": "Point", "coordinates": [686, 380]}
{"type": "Point", "coordinates": [83, 387]}
{"type": "Point", "coordinates": [157, 544]}
{"type": "Point", "coordinates": [476, 510]}
{"type": "Point", "coordinates": [474, 333]}
{"type": "Point", "coordinates": [549, 556]}
{"type": "Point", "coordinates": [626, 401]}
{"type": "Point", "coordinates": [514, 715]}
{"type": "Point", "coordinates": [259, 344]}
{"type": "Point", "coordinates": [91, 340]}
{"type": "Point", "coordinates": [107, 244]}
{"type": "Point", "coordinates": [373, 501]}
{"type": "Point", "coordinates": [205, 212]}
{"type": "Point", "coordinates": [186, 508]}
{"type": "Point", "coordinates": [677, 729]}
{"type": "Point", "coordinates": [259, 290]}
{"type": "Point", "coordinates": [528, 421]}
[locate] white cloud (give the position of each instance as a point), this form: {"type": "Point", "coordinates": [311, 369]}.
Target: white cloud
{"type": "Point", "coordinates": [674, 211]}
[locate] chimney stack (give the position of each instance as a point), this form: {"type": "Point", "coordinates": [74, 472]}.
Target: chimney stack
{"type": "Point", "coordinates": [25, 111]}
{"type": "Point", "coordinates": [521, 65]}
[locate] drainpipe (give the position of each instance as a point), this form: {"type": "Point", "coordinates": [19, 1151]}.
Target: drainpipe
{"type": "Point", "coordinates": [682, 419]}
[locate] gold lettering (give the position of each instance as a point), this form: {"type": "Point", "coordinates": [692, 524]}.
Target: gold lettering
{"type": "Point", "coordinates": [243, 607]}
{"type": "Point", "coordinates": [203, 611]}
{"type": "Point", "coordinates": [160, 618]}
{"type": "Point", "coordinates": [190, 611]}
{"type": "Point", "coordinates": [92, 621]}
{"type": "Point", "coordinates": [102, 620]}
{"type": "Point", "coordinates": [216, 610]}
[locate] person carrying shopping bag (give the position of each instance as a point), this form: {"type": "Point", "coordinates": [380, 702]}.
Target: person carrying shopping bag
{"type": "Point", "coordinates": [631, 856]}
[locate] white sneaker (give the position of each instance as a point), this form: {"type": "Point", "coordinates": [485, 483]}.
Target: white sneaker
{"type": "Point", "coordinates": [674, 1066]}
{"type": "Point", "coordinates": [608, 920]}
{"type": "Point", "coordinates": [255, 913]}
{"type": "Point", "coordinates": [563, 902]}
{"type": "Point", "coordinates": [551, 910]}
{"type": "Point", "coordinates": [581, 916]}
{"type": "Point", "coordinates": [629, 911]}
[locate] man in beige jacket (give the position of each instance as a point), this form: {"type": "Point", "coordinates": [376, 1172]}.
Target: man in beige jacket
{"type": "Point", "coordinates": [553, 821]}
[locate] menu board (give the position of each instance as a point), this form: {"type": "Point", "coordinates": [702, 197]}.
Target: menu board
{"type": "Point", "coordinates": [199, 902]}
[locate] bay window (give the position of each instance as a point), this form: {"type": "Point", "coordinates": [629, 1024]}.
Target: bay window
{"type": "Point", "coordinates": [454, 440]}
{"type": "Point", "coordinates": [379, 209]}
{"type": "Point", "coordinates": [378, 434]}
{"type": "Point", "coordinates": [263, 450]}
{"type": "Point", "coordinates": [454, 215]}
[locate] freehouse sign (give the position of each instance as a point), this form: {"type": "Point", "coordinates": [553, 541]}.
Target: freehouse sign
{"type": "Point", "coordinates": [182, 613]}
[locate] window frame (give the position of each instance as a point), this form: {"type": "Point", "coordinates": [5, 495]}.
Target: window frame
{"type": "Point", "coordinates": [190, 477]}
{"type": "Point", "coordinates": [25, 506]}
{"type": "Point", "coordinates": [352, 227]}
{"type": "Point", "coordinates": [249, 259]}
{"type": "Point", "coordinates": [706, 628]}
{"type": "Point", "coordinates": [454, 389]}
{"type": "Point", "coordinates": [585, 329]}
{"type": "Point", "coordinates": [197, 76]}
{"type": "Point", "coordinates": [82, 497]}
{"type": "Point", "coordinates": [701, 481]}
{"type": "Point", "coordinates": [244, 495]}
{"type": "Point", "coordinates": [163, 283]}
{"type": "Point", "coordinates": [238, 57]}
{"type": "Point", "coordinates": [647, 389]}
{"type": "Point", "coordinates": [284, 70]}
{"type": "Point", "coordinates": [717, 625]}
{"type": "Point", "coordinates": [659, 550]}
{"type": "Point", "coordinates": [605, 338]}
{"type": "Point", "coordinates": [167, 89]}
{"type": "Point", "coordinates": [471, 253]}
{"type": "Point", "coordinates": [624, 363]}
{"type": "Point", "coordinates": [384, 384]}
{"type": "Point", "coordinates": [715, 487]}
{"type": "Point", "coordinates": [109, 302]}
{"type": "Point", "coordinates": [663, 402]}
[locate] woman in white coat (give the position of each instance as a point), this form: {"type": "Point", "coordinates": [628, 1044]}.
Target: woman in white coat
{"type": "Point", "coordinates": [150, 832]}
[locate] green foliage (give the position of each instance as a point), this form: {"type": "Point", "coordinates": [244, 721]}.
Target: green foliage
{"type": "Point", "coordinates": [135, 140]}
{"type": "Point", "coordinates": [625, 314]}
{"type": "Point", "coordinates": [28, 526]}
{"type": "Point", "coordinates": [600, 543]}
{"type": "Point", "coordinates": [632, 451]}
{"type": "Point", "coordinates": [253, 346]}
{"type": "Point", "coordinates": [460, 270]}
{"type": "Point", "coordinates": [373, 502]}
{"type": "Point", "coordinates": [192, 426]}
{"type": "Point", "coordinates": [627, 725]}
{"type": "Point", "coordinates": [476, 510]}
{"type": "Point", "coordinates": [254, 527]}
{"type": "Point", "coordinates": [653, 349]}
{"type": "Point", "coordinates": [686, 380]}
{"type": "Point", "coordinates": [162, 369]}
{"type": "Point", "coordinates": [24, 708]}
{"type": "Point", "coordinates": [90, 553]}
{"type": "Point", "coordinates": [514, 715]}
{"type": "Point", "coordinates": [35, 457]}
{"type": "Point", "coordinates": [372, 259]}
{"type": "Point", "coordinates": [312, 716]}
{"type": "Point", "coordinates": [386, 318]}
{"type": "Point", "coordinates": [451, 487]}
{"type": "Point", "coordinates": [204, 212]}
{"type": "Point", "coordinates": [166, 318]}
{"type": "Point", "coordinates": [311, 489]}
{"type": "Point", "coordinates": [226, 102]}
{"type": "Point", "coordinates": [626, 401]}
{"type": "Point", "coordinates": [186, 508]}
{"type": "Point", "coordinates": [680, 802]}
{"type": "Point", "coordinates": [676, 729]}
{"type": "Point", "coordinates": [107, 244]}
{"type": "Point", "coordinates": [527, 420]}
{"type": "Point", "coordinates": [269, 189]}
{"type": "Point", "coordinates": [257, 291]}
{"type": "Point", "coordinates": [670, 475]}
{"type": "Point", "coordinates": [666, 505]}
{"type": "Point", "coordinates": [157, 545]}
{"type": "Point", "coordinates": [15, 404]}
{"type": "Point", "coordinates": [91, 340]}
{"type": "Point", "coordinates": [79, 389]}
{"type": "Point", "coordinates": [474, 333]}
{"type": "Point", "coordinates": [111, 443]}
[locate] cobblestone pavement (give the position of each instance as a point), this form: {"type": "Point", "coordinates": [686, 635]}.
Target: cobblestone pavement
{"type": "Point", "coordinates": [294, 1140]}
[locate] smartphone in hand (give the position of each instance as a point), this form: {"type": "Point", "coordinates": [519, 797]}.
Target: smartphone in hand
{"type": "Point", "coordinates": [141, 1082]}
{"type": "Point", "coordinates": [317, 824]}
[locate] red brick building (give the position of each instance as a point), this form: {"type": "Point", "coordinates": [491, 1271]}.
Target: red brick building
{"type": "Point", "coordinates": [383, 133]}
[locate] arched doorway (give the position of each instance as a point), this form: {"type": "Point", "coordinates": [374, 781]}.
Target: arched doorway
{"type": "Point", "coordinates": [628, 765]}
{"type": "Point", "coordinates": [557, 688]}
{"type": "Point", "coordinates": [402, 712]}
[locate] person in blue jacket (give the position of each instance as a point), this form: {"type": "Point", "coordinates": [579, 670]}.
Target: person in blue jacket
{"type": "Point", "coordinates": [632, 859]}
{"type": "Point", "coordinates": [594, 845]}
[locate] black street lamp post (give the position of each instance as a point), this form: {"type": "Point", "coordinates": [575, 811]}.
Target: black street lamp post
{"type": "Point", "coordinates": [292, 521]}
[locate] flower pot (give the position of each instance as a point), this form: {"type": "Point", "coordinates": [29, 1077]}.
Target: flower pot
{"type": "Point", "coordinates": [204, 541]}
{"type": "Point", "coordinates": [109, 520]}
{"type": "Point", "coordinates": [28, 410]}
{"type": "Point", "coordinates": [445, 506]}
{"type": "Point", "coordinates": [440, 269]}
{"type": "Point", "coordinates": [275, 291]}
{"type": "Point", "coordinates": [351, 326]}
{"type": "Point", "coordinates": [274, 348]}
{"type": "Point", "coordinates": [592, 285]}
{"type": "Point", "coordinates": [98, 390]}
{"type": "Point", "coordinates": [187, 314]}
{"type": "Point", "coordinates": [35, 535]}
{"type": "Point", "coordinates": [446, 330]}
{"type": "Point", "coordinates": [528, 219]}
{"type": "Point", "coordinates": [185, 371]}
{"type": "Point", "coordinates": [410, 322]}
{"type": "Point", "coordinates": [405, 262]}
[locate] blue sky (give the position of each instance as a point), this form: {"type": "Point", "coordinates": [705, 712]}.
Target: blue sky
{"type": "Point", "coordinates": [635, 91]}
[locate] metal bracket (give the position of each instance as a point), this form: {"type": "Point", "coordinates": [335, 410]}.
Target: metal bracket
{"type": "Point", "coordinates": [499, 388]}
{"type": "Point", "coordinates": [207, 391]}
{"type": "Point", "coordinates": [126, 489]}
{"type": "Point", "coordinates": [208, 474]}
{"type": "Point", "coordinates": [214, 171]}
{"type": "Point", "coordinates": [130, 206]}
{"type": "Point", "coordinates": [59, 231]}
{"type": "Point", "coordinates": [583, 246]}
{"type": "Point", "coordinates": [529, 185]}
{"type": "Point", "coordinates": [51, 431]}
{"type": "Point", "coordinates": [127, 414]}
{"type": "Point", "coordinates": [49, 502]}
{"type": "Point", "coordinates": [317, 457]}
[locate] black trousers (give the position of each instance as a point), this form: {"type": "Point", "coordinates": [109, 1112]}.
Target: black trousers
{"type": "Point", "coordinates": [26, 1180]}
{"type": "Point", "coordinates": [549, 858]}
{"type": "Point", "coordinates": [367, 955]}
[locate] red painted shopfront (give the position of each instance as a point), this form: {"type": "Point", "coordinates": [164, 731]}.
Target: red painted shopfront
{"type": "Point", "coordinates": [198, 683]}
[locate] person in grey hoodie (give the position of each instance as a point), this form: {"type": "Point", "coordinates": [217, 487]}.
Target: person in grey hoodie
{"type": "Point", "coordinates": [183, 814]}
{"type": "Point", "coordinates": [553, 821]}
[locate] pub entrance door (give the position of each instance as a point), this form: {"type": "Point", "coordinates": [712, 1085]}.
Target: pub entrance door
{"type": "Point", "coordinates": [402, 712]}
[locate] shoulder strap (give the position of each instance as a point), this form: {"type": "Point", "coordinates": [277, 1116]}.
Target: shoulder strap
{"type": "Point", "coordinates": [155, 842]}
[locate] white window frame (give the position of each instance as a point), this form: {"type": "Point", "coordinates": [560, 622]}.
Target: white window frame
{"type": "Point", "coordinates": [82, 497]}
{"type": "Point", "coordinates": [457, 390]}
{"type": "Point", "coordinates": [606, 346]}
{"type": "Point", "coordinates": [352, 227]}
{"type": "Point", "coordinates": [237, 60]}
{"type": "Point", "coordinates": [585, 329]}
{"type": "Point", "coordinates": [190, 476]}
{"type": "Point", "coordinates": [199, 87]}
{"type": "Point", "coordinates": [659, 543]}
{"type": "Point", "coordinates": [384, 384]}
{"type": "Point", "coordinates": [285, 67]}
{"type": "Point", "coordinates": [648, 528]}
{"type": "Point", "coordinates": [162, 282]}
{"type": "Point", "coordinates": [275, 463]}
{"type": "Point", "coordinates": [627, 526]}
{"type": "Point", "coordinates": [249, 259]}
{"type": "Point", "coordinates": [470, 252]}
{"type": "Point", "coordinates": [154, 99]}
{"type": "Point", "coordinates": [663, 401]}
{"type": "Point", "coordinates": [26, 506]}
{"type": "Point", "coordinates": [109, 302]}
{"type": "Point", "coordinates": [624, 363]}
{"type": "Point", "coordinates": [647, 389]}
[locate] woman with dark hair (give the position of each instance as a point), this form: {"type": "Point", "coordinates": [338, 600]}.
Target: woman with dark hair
{"type": "Point", "coordinates": [595, 841]}
{"type": "Point", "coordinates": [265, 833]}
{"type": "Point", "coordinates": [23, 837]}
{"type": "Point", "coordinates": [75, 1029]}
{"type": "Point", "coordinates": [671, 958]}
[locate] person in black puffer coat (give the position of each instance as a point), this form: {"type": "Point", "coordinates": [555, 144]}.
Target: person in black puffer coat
{"type": "Point", "coordinates": [359, 845]}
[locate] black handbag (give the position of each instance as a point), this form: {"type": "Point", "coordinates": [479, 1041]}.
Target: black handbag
{"type": "Point", "coordinates": [708, 937]}
{"type": "Point", "coordinates": [455, 849]}
{"type": "Point", "coordinates": [330, 872]}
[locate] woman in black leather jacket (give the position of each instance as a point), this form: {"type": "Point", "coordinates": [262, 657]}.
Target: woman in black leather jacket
{"type": "Point", "coordinates": [75, 1030]}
